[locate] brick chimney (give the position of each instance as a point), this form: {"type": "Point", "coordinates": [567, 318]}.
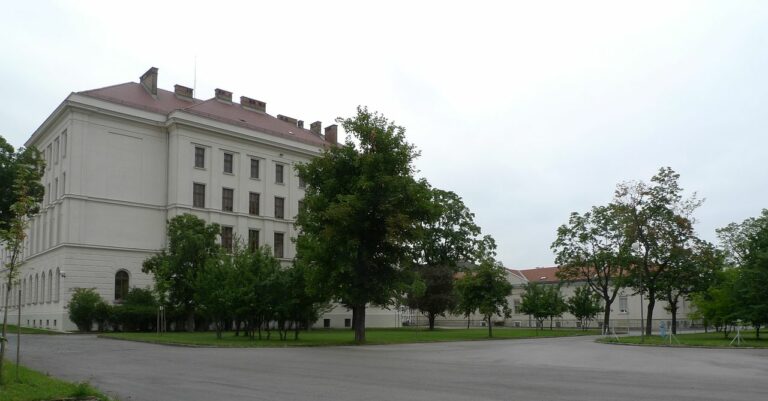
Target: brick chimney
{"type": "Point", "coordinates": [149, 81]}
{"type": "Point", "coordinates": [331, 134]}
{"type": "Point", "coordinates": [253, 104]}
{"type": "Point", "coordinates": [183, 92]}
{"type": "Point", "coordinates": [287, 119]}
{"type": "Point", "coordinates": [300, 124]}
{"type": "Point", "coordinates": [224, 96]}
{"type": "Point", "coordinates": [315, 127]}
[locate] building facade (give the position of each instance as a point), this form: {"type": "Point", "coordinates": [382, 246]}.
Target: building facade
{"type": "Point", "coordinates": [122, 160]}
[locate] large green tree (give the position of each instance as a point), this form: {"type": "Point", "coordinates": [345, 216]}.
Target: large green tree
{"type": "Point", "coordinates": [594, 248]}
{"type": "Point", "coordinates": [20, 194]}
{"type": "Point", "coordinates": [659, 219]}
{"type": "Point", "coordinates": [191, 245]}
{"type": "Point", "coordinates": [362, 207]}
{"type": "Point", "coordinates": [448, 240]}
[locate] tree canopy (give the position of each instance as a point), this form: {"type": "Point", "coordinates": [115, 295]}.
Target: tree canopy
{"type": "Point", "coordinates": [362, 207]}
{"type": "Point", "coordinates": [191, 245]}
{"type": "Point", "coordinates": [449, 239]}
{"type": "Point", "coordinates": [594, 247]}
{"type": "Point", "coordinates": [659, 220]}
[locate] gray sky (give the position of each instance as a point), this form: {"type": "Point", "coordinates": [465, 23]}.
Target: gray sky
{"type": "Point", "coordinates": [529, 111]}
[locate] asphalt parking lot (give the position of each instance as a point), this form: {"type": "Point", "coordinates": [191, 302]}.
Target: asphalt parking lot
{"type": "Point", "coordinates": [537, 369]}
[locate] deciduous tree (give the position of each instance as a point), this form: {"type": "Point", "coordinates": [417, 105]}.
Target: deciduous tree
{"type": "Point", "coordinates": [362, 207]}
{"type": "Point", "coordinates": [584, 305]}
{"type": "Point", "coordinates": [450, 238]}
{"type": "Point", "coordinates": [191, 245]}
{"type": "Point", "coordinates": [485, 289]}
{"type": "Point", "coordinates": [660, 221]}
{"type": "Point", "coordinates": [20, 194]}
{"type": "Point", "coordinates": [594, 248]}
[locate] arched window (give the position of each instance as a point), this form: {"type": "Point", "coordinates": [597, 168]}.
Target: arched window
{"type": "Point", "coordinates": [37, 288]}
{"type": "Point", "coordinates": [50, 286]}
{"type": "Point", "coordinates": [121, 285]}
{"type": "Point", "coordinates": [30, 293]}
{"type": "Point", "coordinates": [42, 288]}
{"type": "Point", "coordinates": [58, 284]}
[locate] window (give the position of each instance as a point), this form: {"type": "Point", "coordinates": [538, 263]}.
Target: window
{"type": "Point", "coordinates": [623, 305]}
{"type": "Point", "coordinates": [226, 238]}
{"type": "Point", "coordinates": [516, 306]}
{"type": "Point", "coordinates": [42, 288]}
{"type": "Point", "coordinates": [253, 240]}
{"type": "Point", "coordinates": [37, 288]}
{"type": "Point", "coordinates": [57, 291]}
{"type": "Point", "coordinates": [279, 245]}
{"type": "Point", "coordinates": [49, 297]}
{"type": "Point", "coordinates": [198, 195]}
{"type": "Point", "coordinates": [326, 323]}
{"type": "Point", "coordinates": [227, 199]}
{"type": "Point", "coordinates": [253, 203]}
{"type": "Point", "coordinates": [48, 156]}
{"type": "Point", "coordinates": [64, 144]}
{"type": "Point", "coordinates": [121, 285]}
{"type": "Point", "coordinates": [199, 157]}
{"type": "Point", "coordinates": [228, 163]}
{"type": "Point", "coordinates": [302, 184]}
{"type": "Point", "coordinates": [347, 322]}
{"type": "Point", "coordinates": [56, 151]}
{"type": "Point", "coordinates": [301, 206]}
{"type": "Point", "coordinates": [254, 168]}
{"type": "Point", "coordinates": [63, 183]}
{"type": "Point", "coordinates": [55, 189]}
{"type": "Point", "coordinates": [279, 207]}
{"type": "Point", "coordinates": [48, 198]}
{"type": "Point", "coordinates": [279, 173]}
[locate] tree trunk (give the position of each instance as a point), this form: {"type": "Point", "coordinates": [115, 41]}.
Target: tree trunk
{"type": "Point", "coordinates": [468, 321]}
{"type": "Point", "coordinates": [358, 312]}
{"type": "Point", "coordinates": [490, 326]}
{"type": "Point", "coordinates": [5, 325]}
{"type": "Point", "coordinates": [606, 318]}
{"type": "Point", "coordinates": [649, 317]}
{"type": "Point", "coordinates": [190, 325]}
{"type": "Point", "coordinates": [431, 317]}
{"type": "Point", "coordinates": [673, 309]}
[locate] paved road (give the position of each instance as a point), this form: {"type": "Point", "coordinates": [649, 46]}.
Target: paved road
{"type": "Point", "coordinates": [545, 369]}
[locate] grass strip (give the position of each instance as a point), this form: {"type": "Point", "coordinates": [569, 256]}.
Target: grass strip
{"type": "Point", "coordinates": [326, 337]}
{"type": "Point", "coordinates": [29, 330]}
{"type": "Point", "coordinates": [33, 385]}
{"type": "Point", "coordinates": [711, 340]}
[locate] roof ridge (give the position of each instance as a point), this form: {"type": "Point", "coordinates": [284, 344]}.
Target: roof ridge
{"type": "Point", "coordinates": [107, 87]}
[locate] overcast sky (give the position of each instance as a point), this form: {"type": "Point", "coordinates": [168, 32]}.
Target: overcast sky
{"type": "Point", "coordinates": [529, 111]}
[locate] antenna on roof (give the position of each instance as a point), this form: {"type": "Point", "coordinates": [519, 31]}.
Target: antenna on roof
{"type": "Point", "coordinates": [194, 81]}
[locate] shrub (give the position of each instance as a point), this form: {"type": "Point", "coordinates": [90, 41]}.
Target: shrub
{"type": "Point", "coordinates": [86, 306]}
{"type": "Point", "coordinates": [138, 311]}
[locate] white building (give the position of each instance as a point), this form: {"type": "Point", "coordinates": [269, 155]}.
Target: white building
{"type": "Point", "coordinates": [123, 159]}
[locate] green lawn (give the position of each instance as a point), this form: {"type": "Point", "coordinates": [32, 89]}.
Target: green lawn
{"type": "Point", "coordinates": [34, 385]}
{"type": "Point", "coordinates": [27, 330]}
{"type": "Point", "coordinates": [323, 337]}
{"type": "Point", "coordinates": [697, 340]}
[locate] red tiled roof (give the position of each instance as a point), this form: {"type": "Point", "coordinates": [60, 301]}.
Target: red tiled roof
{"type": "Point", "coordinates": [134, 95]}
{"type": "Point", "coordinates": [541, 275]}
